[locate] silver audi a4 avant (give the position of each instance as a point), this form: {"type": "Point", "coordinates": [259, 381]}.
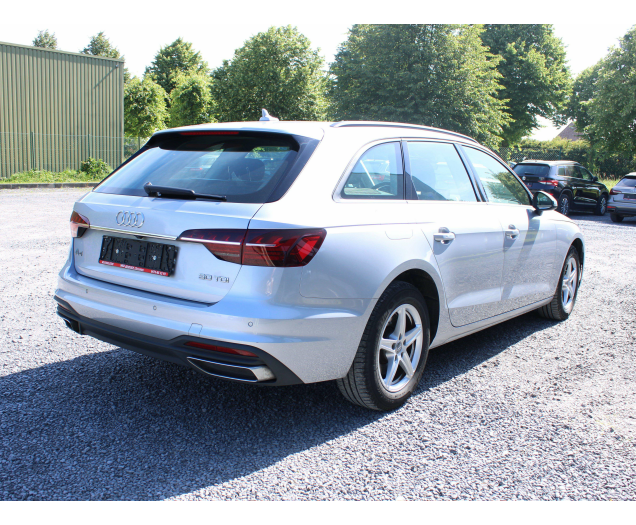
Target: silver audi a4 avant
{"type": "Point", "coordinates": [279, 253]}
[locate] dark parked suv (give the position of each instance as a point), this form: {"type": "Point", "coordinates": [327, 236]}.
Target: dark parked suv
{"type": "Point", "coordinates": [573, 186]}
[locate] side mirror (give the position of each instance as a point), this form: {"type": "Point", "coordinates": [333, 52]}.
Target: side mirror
{"type": "Point", "coordinates": [595, 178]}
{"type": "Point", "coordinates": [542, 201]}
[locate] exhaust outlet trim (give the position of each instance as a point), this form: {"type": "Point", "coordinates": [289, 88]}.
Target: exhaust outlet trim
{"type": "Point", "coordinates": [260, 373]}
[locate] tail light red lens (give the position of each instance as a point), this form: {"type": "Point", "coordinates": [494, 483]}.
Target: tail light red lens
{"type": "Point", "coordinates": [614, 191]}
{"type": "Point", "coordinates": [549, 182]}
{"type": "Point", "coordinates": [216, 348]}
{"type": "Point", "coordinates": [278, 248]}
{"type": "Point", "coordinates": [79, 224]}
{"type": "Point", "coordinates": [281, 248]}
{"type": "Point", "coordinates": [226, 245]}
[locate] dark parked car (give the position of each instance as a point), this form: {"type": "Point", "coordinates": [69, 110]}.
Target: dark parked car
{"type": "Point", "coordinates": [573, 186]}
{"type": "Point", "coordinates": [622, 202]}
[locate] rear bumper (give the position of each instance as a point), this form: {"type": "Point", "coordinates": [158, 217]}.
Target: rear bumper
{"type": "Point", "coordinates": [620, 208]}
{"type": "Point", "coordinates": [262, 370]}
{"type": "Point", "coordinates": [305, 341]}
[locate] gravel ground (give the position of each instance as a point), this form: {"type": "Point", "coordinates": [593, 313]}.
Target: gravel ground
{"type": "Point", "coordinates": [529, 409]}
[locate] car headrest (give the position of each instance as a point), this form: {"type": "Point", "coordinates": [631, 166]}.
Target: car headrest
{"type": "Point", "coordinates": [252, 170]}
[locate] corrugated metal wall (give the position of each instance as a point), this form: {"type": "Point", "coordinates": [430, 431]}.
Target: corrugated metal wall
{"type": "Point", "coordinates": [58, 108]}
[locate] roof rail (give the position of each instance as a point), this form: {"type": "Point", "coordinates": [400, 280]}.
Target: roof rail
{"type": "Point", "coordinates": [370, 123]}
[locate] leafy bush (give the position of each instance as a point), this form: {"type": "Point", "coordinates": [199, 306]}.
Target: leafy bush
{"type": "Point", "coordinates": [47, 177]}
{"type": "Point", "coordinates": [95, 168]}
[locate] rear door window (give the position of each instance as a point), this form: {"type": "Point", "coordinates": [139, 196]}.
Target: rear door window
{"type": "Point", "coordinates": [240, 166]}
{"type": "Point", "coordinates": [438, 173]}
{"type": "Point", "coordinates": [378, 174]}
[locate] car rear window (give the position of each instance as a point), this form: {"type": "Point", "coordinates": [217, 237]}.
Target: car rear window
{"type": "Point", "coordinates": [241, 166]}
{"type": "Point", "coordinates": [539, 170]}
{"type": "Point", "coordinates": [628, 182]}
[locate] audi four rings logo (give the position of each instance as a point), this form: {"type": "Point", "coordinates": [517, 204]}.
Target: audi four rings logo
{"type": "Point", "coordinates": [126, 218]}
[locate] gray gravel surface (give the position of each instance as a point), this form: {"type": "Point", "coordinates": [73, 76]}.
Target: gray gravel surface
{"type": "Point", "coordinates": [529, 409]}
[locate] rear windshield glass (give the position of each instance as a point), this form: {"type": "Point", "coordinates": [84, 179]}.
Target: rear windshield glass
{"type": "Point", "coordinates": [539, 170]}
{"type": "Point", "coordinates": [239, 166]}
{"type": "Point", "coordinates": [628, 183]}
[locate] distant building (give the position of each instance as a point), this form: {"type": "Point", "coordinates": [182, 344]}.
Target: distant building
{"type": "Point", "coordinates": [570, 133]}
{"type": "Point", "coordinates": [58, 108]}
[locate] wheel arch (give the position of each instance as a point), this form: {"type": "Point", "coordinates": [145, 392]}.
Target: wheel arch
{"type": "Point", "coordinates": [580, 248]}
{"type": "Point", "coordinates": [426, 285]}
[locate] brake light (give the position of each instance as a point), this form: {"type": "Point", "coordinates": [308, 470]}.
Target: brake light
{"type": "Point", "coordinates": [209, 133]}
{"type": "Point", "coordinates": [226, 245]}
{"type": "Point", "coordinates": [278, 248]}
{"type": "Point", "coordinates": [550, 182]}
{"type": "Point", "coordinates": [614, 191]}
{"type": "Point", "coordinates": [79, 224]}
{"type": "Point", "coordinates": [216, 348]}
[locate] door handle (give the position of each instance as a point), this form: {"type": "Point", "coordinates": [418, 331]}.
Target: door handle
{"type": "Point", "coordinates": [512, 232]}
{"type": "Point", "coordinates": [445, 237]}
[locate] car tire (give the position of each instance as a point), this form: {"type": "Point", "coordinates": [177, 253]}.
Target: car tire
{"type": "Point", "coordinates": [565, 203]}
{"type": "Point", "coordinates": [379, 375]}
{"type": "Point", "coordinates": [601, 205]}
{"type": "Point", "coordinates": [615, 217]}
{"type": "Point", "coordinates": [559, 308]}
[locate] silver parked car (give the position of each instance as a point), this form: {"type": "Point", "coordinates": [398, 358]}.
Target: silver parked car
{"type": "Point", "coordinates": [279, 253]}
{"type": "Point", "coordinates": [622, 202]}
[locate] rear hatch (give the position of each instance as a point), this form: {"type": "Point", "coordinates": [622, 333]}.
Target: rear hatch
{"type": "Point", "coordinates": [625, 190]}
{"type": "Point", "coordinates": [153, 241]}
{"type": "Point", "coordinates": [534, 176]}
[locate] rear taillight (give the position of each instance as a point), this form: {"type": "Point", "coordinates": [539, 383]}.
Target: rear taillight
{"type": "Point", "coordinates": [79, 224]}
{"type": "Point", "coordinates": [549, 182]}
{"type": "Point", "coordinates": [279, 248]}
{"type": "Point", "coordinates": [216, 348]}
{"type": "Point", "coordinates": [223, 244]}
{"type": "Point", "coordinates": [614, 191]}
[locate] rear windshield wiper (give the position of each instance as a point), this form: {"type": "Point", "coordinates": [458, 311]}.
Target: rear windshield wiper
{"type": "Point", "coordinates": [179, 193]}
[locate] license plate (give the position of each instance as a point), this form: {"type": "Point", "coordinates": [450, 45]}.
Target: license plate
{"type": "Point", "coordinates": [631, 196]}
{"type": "Point", "coordinates": [529, 184]}
{"type": "Point", "coordinates": [141, 256]}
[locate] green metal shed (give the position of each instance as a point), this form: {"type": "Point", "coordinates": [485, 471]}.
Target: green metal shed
{"type": "Point", "coordinates": [58, 108]}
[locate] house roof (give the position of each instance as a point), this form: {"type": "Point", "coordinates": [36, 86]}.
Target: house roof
{"type": "Point", "coordinates": [570, 133]}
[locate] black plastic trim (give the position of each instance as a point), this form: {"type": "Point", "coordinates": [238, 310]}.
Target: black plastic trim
{"type": "Point", "coordinates": [175, 350]}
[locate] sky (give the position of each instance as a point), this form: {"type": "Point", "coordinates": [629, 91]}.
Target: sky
{"type": "Point", "coordinates": [585, 44]}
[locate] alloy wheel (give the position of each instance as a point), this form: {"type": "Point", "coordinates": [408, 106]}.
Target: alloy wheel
{"type": "Point", "coordinates": [569, 284]}
{"type": "Point", "coordinates": [400, 347]}
{"type": "Point", "coordinates": [564, 205]}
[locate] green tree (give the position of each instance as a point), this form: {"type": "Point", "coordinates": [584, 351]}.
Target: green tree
{"type": "Point", "coordinates": [583, 90]}
{"type": "Point", "coordinates": [191, 100]}
{"type": "Point", "coordinates": [276, 70]}
{"type": "Point", "coordinates": [534, 74]}
{"type": "Point", "coordinates": [436, 75]}
{"type": "Point", "coordinates": [144, 108]}
{"type": "Point", "coordinates": [172, 60]}
{"type": "Point", "coordinates": [613, 108]}
{"type": "Point", "coordinates": [100, 45]}
{"type": "Point", "coordinates": [45, 39]}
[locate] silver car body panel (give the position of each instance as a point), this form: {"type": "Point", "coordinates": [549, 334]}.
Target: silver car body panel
{"type": "Point", "coordinates": [312, 318]}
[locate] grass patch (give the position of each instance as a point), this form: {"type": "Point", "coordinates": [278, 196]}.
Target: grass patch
{"type": "Point", "coordinates": [41, 176]}
{"type": "Point", "coordinates": [610, 183]}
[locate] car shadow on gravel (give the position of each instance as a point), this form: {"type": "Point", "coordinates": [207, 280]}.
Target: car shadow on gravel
{"type": "Point", "coordinates": [118, 425]}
